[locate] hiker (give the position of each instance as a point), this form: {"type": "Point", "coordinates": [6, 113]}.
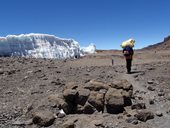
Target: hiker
{"type": "Point", "coordinates": [128, 53]}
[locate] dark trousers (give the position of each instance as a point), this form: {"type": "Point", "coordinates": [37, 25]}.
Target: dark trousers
{"type": "Point", "coordinates": [128, 65]}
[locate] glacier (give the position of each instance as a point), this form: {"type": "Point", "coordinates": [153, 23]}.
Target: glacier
{"type": "Point", "coordinates": [88, 50]}
{"type": "Point", "coordinates": [41, 46]}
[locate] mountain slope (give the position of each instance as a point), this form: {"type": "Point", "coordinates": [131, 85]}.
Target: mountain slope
{"type": "Point", "coordinates": [164, 45]}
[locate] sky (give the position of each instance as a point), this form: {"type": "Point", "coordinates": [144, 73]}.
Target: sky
{"type": "Point", "coordinates": [106, 23]}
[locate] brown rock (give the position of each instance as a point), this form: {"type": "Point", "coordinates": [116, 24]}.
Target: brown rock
{"type": "Point", "coordinates": [1, 71]}
{"type": "Point", "coordinates": [68, 107]}
{"type": "Point", "coordinates": [70, 95]}
{"type": "Point", "coordinates": [127, 95]}
{"type": "Point", "coordinates": [159, 113]}
{"type": "Point", "coordinates": [114, 101]}
{"type": "Point", "coordinates": [56, 99]}
{"type": "Point", "coordinates": [43, 118]}
{"type": "Point", "coordinates": [138, 106]}
{"type": "Point", "coordinates": [144, 115]}
{"type": "Point", "coordinates": [96, 99]}
{"type": "Point", "coordinates": [61, 103]}
{"type": "Point", "coordinates": [88, 109]}
{"type": "Point", "coordinates": [151, 101]}
{"type": "Point", "coordinates": [161, 93]}
{"type": "Point", "coordinates": [132, 120]}
{"type": "Point", "coordinates": [71, 85]}
{"type": "Point", "coordinates": [121, 84]}
{"type": "Point", "coordinates": [94, 85]}
{"type": "Point", "coordinates": [150, 82]}
{"type": "Point", "coordinates": [83, 95]}
{"type": "Point", "coordinates": [151, 88]}
{"type": "Point", "coordinates": [53, 97]}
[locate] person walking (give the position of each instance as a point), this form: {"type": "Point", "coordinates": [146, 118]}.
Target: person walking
{"type": "Point", "coordinates": [128, 53]}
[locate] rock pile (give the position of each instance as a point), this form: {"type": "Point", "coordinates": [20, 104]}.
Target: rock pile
{"type": "Point", "coordinates": [94, 96]}
{"type": "Point", "coordinates": [91, 98]}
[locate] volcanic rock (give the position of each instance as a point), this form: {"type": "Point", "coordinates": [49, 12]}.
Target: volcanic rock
{"type": "Point", "coordinates": [161, 93]}
{"type": "Point", "coordinates": [121, 84]}
{"type": "Point", "coordinates": [159, 113]}
{"type": "Point", "coordinates": [138, 106]}
{"type": "Point", "coordinates": [61, 103]}
{"type": "Point", "coordinates": [70, 95]}
{"type": "Point", "coordinates": [151, 88]}
{"type": "Point", "coordinates": [132, 120]}
{"type": "Point", "coordinates": [43, 118]}
{"type": "Point", "coordinates": [96, 99]}
{"type": "Point", "coordinates": [144, 115]}
{"type": "Point", "coordinates": [114, 101]}
{"type": "Point", "coordinates": [150, 82]}
{"type": "Point", "coordinates": [151, 101]}
{"type": "Point", "coordinates": [95, 85]}
{"type": "Point", "coordinates": [1, 71]}
{"type": "Point", "coordinates": [83, 95]}
{"type": "Point", "coordinates": [56, 99]}
{"type": "Point", "coordinates": [88, 109]}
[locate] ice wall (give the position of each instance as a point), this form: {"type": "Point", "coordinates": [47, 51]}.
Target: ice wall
{"type": "Point", "coordinates": [38, 46]}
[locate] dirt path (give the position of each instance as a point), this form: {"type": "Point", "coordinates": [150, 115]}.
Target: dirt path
{"type": "Point", "coordinates": [159, 104]}
{"type": "Point", "coordinates": [136, 84]}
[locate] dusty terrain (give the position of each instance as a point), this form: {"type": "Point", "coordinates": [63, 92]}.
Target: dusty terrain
{"type": "Point", "coordinates": [26, 85]}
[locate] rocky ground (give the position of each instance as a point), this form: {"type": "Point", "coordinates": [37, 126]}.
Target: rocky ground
{"type": "Point", "coordinates": [91, 91]}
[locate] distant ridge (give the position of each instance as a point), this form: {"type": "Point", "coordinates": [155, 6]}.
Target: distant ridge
{"type": "Point", "coordinates": [164, 45]}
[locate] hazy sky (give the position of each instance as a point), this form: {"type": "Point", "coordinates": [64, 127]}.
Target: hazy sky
{"type": "Point", "coordinates": [105, 23]}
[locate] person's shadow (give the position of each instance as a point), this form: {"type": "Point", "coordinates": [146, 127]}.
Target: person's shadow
{"type": "Point", "coordinates": [135, 72]}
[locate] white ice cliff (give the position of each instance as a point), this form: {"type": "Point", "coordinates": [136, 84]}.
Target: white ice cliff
{"type": "Point", "coordinates": [39, 46]}
{"type": "Point", "coordinates": [88, 50]}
